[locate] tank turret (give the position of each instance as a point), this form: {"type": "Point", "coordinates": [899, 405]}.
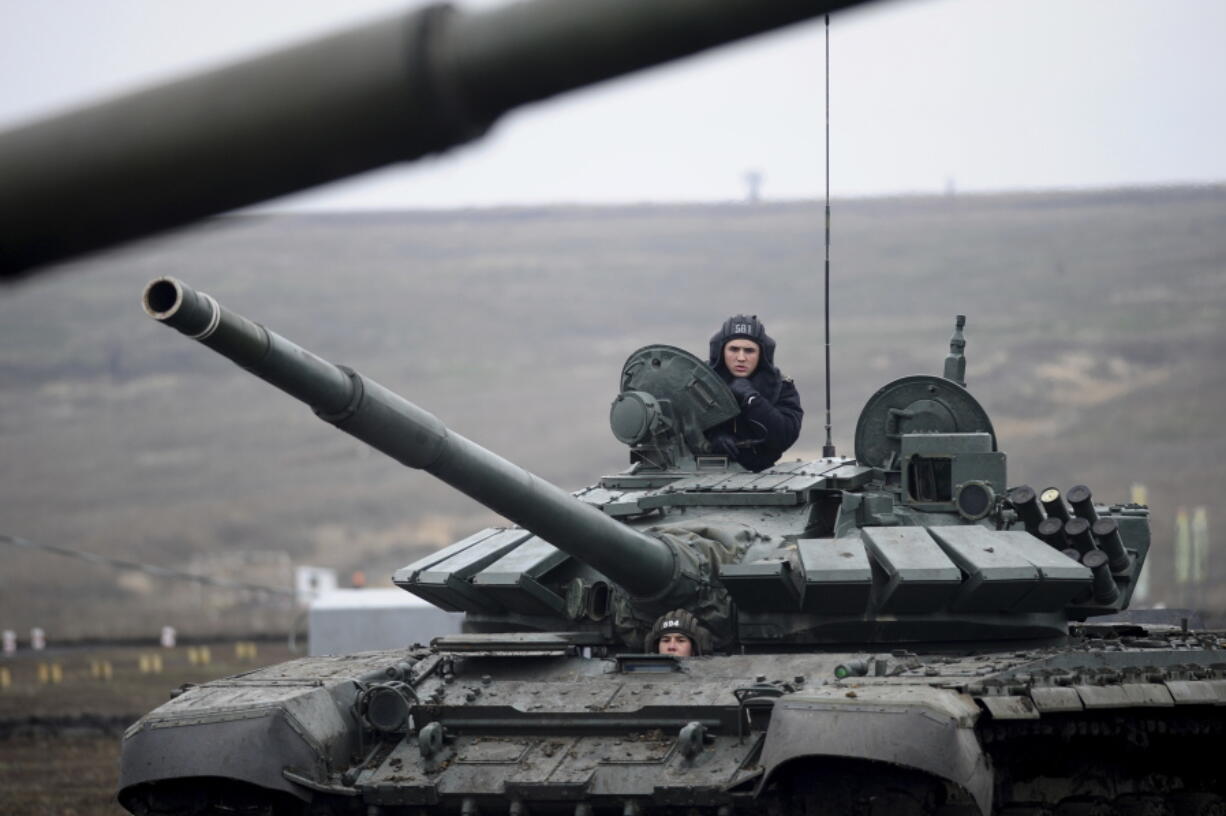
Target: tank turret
{"type": "Point", "coordinates": [917, 538]}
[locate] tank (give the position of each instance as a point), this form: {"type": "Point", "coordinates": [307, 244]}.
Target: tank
{"type": "Point", "coordinates": [906, 631]}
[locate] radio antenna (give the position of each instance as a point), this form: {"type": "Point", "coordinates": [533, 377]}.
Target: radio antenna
{"type": "Point", "coordinates": [828, 448]}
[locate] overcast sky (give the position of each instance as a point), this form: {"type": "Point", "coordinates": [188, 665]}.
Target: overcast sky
{"type": "Point", "coordinates": [979, 94]}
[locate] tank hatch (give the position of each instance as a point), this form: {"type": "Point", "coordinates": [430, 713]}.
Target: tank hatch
{"type": "Point", "coordinates": [668, 398]}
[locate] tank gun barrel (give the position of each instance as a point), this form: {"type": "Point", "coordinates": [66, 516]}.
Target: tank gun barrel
{"type": "Point", "coordinates": [359, 406]}
{"type": "Point", "coordinates": [392, 90]}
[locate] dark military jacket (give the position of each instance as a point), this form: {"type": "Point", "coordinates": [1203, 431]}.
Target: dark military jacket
{"type": "Point", "coordinates": [770, 423]}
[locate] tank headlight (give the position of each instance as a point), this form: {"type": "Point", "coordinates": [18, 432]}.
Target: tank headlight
{"type": "Point", "coordinates": [385, 707]}
{"type": "Point", "coordinates": [974, 500]}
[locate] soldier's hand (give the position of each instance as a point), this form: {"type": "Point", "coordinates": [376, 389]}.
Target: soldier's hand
{"type": "Point", "coordinates": [724, 444]}
{"type": "Point", "coordinates": [743, 389]}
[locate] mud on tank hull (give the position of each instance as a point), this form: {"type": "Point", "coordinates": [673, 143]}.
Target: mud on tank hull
{"type": "Point", "coordinates": [1119, 720]}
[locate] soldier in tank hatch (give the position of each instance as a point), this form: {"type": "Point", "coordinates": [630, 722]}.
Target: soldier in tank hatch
{"type": "Point", "coordinates": [678, 633]}
{"type": "Point", "coordinates": [744, 355]}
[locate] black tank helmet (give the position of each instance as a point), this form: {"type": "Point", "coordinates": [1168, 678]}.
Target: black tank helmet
{"type": "Point", "coordinates": [749, 327]}
{"type": "Point", "coordinates": [679, 621]}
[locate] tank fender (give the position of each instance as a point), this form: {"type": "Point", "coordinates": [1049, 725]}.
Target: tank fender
{"type": "Point", "coordinates": [927, 729]}
{"type": "Point", "coordinates": [305, 730]}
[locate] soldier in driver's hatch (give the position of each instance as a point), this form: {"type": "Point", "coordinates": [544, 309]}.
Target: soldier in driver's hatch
{"type": "Point", "coordinates": [678, 633]}
{"type": "Point", "coordinates": [744, 355]}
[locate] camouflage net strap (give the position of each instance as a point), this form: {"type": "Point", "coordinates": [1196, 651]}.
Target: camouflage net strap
{"type": "Point", "coordinates": [704, 546]}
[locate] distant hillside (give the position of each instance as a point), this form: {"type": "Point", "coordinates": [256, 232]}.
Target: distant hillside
{"type": "Point", "coordinates": [1096, 329]}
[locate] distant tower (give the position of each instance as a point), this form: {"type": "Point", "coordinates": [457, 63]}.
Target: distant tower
{"type": "Point", "coordinates": [753, 186]}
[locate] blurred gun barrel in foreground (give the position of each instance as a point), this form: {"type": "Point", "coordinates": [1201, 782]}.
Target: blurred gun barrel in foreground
{"type": "Point", "coordinates": [392, 90]}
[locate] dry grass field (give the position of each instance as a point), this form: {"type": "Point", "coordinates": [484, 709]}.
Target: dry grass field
{"type": "Point", "coordinates": [59, 741]}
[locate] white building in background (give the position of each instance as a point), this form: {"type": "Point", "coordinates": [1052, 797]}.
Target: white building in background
{"type": "Point", "coordinates": [359, 620]}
